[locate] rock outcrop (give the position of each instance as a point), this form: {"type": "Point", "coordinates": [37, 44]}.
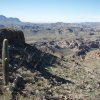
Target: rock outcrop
{"type": "Point", "coordinates": [13, 36]}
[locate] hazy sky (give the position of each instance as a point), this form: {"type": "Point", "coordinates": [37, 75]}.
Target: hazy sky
{"type": "Point", "coordinates": [52, 10]}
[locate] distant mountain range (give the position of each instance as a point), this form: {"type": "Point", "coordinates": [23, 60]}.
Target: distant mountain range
{"type": "Point", "coordinates": [9, 20]}
{"type": "Point", "coordinates": [58, 28]}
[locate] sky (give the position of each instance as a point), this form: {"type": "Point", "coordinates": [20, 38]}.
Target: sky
{"type": "Point", "coordinates": [52, 10]}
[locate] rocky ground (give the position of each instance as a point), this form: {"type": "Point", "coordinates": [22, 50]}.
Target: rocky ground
{"type": "Point", "coordinates": [53, 70]}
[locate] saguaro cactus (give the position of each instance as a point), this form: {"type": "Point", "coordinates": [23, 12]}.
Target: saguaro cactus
{"type": "Point", "coordinates": [5, 61]}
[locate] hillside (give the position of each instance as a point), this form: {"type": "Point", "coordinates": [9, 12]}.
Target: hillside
{"type": "Point", "coordinates": [51, 61]}
{"type": "Point", "coordinates": [51, 69]}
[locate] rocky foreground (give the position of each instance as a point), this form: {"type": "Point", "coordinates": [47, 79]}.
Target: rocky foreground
{"type": "Point", "coordinates": [52, 70]}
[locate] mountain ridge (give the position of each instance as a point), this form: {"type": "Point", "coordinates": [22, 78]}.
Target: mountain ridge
{"type": "Point", "coordinates": [4, 19]}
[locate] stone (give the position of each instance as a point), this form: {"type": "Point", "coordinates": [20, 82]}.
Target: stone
{"type": "Point", "coordinates": [13, 36]}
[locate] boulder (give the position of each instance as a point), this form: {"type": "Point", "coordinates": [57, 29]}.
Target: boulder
{"type": "Point", "coordinates": [19, 83]}
{"type": "Point", "coordinates": [94, 45]}
{"type": "Point", "coordinates": [13, 36]}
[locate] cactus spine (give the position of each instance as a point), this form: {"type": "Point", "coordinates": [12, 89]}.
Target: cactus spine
{"type": "Point", "coordinates": [5, 61]}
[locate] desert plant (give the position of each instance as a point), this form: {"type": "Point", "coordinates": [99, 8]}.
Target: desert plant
{"type": "Point", "coordinates": [5, 61]}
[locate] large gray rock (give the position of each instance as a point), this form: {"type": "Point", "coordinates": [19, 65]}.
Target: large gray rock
{"type": "Point", "coordinates": [13, 36]}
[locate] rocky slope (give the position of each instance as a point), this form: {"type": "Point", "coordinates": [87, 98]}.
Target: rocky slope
{"type": "Point", "coordinates": [53, 70]}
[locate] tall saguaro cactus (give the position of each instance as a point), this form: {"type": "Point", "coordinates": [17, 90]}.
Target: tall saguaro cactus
{"type": "Point", "coordinates": [5, 61]}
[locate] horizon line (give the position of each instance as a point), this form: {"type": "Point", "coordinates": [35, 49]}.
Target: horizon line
{"type": "Point", "coordinates": [26, 21]}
